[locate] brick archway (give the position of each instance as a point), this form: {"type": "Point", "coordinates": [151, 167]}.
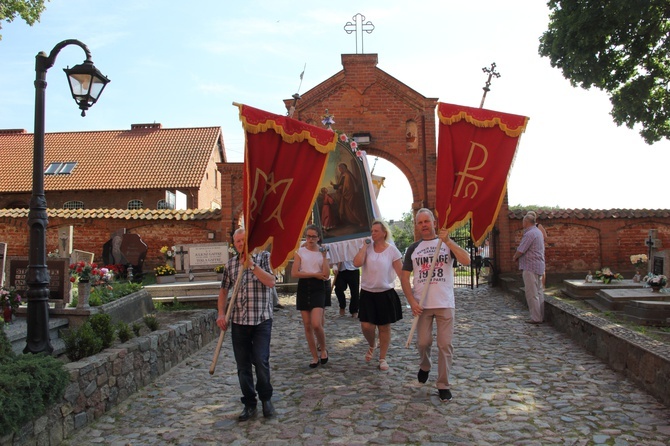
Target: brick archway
{"type": "Point", "coordinates": [400, 121]}
{"type": "Point", "coordinates": [363, 99]}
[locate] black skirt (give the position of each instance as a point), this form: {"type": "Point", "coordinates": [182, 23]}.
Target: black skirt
{"type": "Point", "coordinates": [380, 308]}
{"type": "Point", "coordinates": [312, 293]}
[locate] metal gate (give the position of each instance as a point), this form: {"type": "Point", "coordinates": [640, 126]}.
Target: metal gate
{"type": "Point", "coordinates": [481, 269]}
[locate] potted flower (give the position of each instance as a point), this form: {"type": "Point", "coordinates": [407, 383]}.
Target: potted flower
{"type": "Point", "coordinates": [85, 274]}
{"type": "Point", "coordinates": [9, 302]}
{"type": "Point", "coordinates": [168, 254]}
{"type": "Point", "coordinates": [165, 273]}
{"type": "Point", "coordinates": [607, 276]}
{"type": "Point", "coordinates": [218, 269]}
{"type": "Point", "coordinates": [640, 263]}
{"type": "Point", "coordinates": [655, 281]}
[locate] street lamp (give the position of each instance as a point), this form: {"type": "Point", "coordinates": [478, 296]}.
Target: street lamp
{"type": "Point", "coordinates": [86, 85]}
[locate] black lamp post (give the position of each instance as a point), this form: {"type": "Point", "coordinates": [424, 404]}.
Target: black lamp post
{"type": "Point", "coordinates": [86, 84]}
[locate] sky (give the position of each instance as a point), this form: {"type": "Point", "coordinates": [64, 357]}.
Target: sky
{"type": "Point", "coordinates": [184, 64]}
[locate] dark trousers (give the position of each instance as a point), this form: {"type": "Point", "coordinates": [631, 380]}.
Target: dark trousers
{"type": "Point", "coordinates": [352, 279]}
{"type": "Point", "coordinates": [251, 346]}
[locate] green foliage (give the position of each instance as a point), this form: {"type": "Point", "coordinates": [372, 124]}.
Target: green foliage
{"type": "Point", "coordinates": [151, 321]}
{"type": "Point", "coordinates": [109, 293]}
{"type": "Point", "coordinates": [403, 232]}
{"type": "Point", "coordinates": [124, 332]}
{"type": "Point", "coordinates": [6, 352]}
{"type": "Point", "coordinates": [106, 293]}
{"type": "Point", "coordinates": [103, 328]}
{"type": "Point", "coordinates": [618, 46]}
{"type": "Point", "coordinates": [28, 10]}
{"type": "Point", "coordinates": [28, 385]}
{"type": "Point", "coordinates": [81, 342]}
{"type": "Point", "coordinates": [137, 328]}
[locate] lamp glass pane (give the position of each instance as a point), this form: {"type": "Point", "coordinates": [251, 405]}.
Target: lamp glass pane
{"type": "Point", "coordinates": [80, 84]}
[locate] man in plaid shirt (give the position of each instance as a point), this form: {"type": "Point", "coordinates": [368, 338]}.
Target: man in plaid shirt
{"type": "Point", "coordinates": [251, 324]}
{"type": "Point", "coordinates": [530, 255]}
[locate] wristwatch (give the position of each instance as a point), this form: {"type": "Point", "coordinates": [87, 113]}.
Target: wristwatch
{"type": "Point", "coordinates": [252, 267]}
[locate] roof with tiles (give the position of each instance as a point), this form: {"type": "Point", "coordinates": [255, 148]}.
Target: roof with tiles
{"type": "Point", "coordinates": [139, 214]}
{"type": "Point", "coordinates": [582, 214]}
{"type": "Point", "coordinates": [145, 157]}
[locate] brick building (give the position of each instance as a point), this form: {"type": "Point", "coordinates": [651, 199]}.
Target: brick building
{"type": "Point", "coordinates": [146, 167]}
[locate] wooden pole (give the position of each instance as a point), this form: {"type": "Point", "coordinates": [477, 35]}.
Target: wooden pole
{"type": "Point", "coordinates": [217, 351]}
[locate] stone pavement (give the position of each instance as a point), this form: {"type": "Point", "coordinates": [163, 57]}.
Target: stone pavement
{"type": "Point", "coordinates": [513, 383]}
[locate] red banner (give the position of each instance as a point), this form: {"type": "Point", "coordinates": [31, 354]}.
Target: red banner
{"type": "Point", "coordinates": [475, 152]}
{"type": "Point", "coordinates": [284, 162]}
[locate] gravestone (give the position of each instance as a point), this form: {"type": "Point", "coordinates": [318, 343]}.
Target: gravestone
{"type": "Point", "coordinates": [3, 256]}
{"type": "Point", "coordinates": [81, 256]}
{"type": "Point", "coordinates": [134, 250]}
{"type": "Point", "coordinates": [111, 250]}
{"type": "Point", "coordinates": [59, 279]}
{"type": "Point", "coordinates": [661, 263]}
{"type": "Point", "coordinates": [201, 256]}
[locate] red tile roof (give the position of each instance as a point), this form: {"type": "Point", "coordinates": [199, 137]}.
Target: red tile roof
{"type": "Point", "coordinates": [139, 214]}
{"type": "Point", "coordinates": [582, 214]}
{"type": "Point", "coordinates": [145, 157]}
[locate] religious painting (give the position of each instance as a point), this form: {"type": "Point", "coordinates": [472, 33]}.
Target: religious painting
{"type": "Point", "coordinates": [343, 208]}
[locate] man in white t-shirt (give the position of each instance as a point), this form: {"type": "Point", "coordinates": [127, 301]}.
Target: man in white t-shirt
{"type": "Point", "coordinates": [439, 303]}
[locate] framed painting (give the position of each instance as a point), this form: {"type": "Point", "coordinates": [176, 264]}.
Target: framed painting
{"type": "Point", "coordinates": [343, 208]}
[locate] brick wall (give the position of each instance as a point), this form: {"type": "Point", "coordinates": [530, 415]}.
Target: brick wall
{"type": "Point", "coordinates": [583, 240]}
{"type": "Point", "coordinates": [90, 234]}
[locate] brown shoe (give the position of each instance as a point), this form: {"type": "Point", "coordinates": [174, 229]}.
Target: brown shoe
{"type": "Point", "coordinates": [533, 322]}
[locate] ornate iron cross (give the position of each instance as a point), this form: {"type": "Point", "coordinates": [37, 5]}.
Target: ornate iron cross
{"type": "Point", "coordinates": [367, 27]}
{"type": "Point", "coordinates": [491, 72]}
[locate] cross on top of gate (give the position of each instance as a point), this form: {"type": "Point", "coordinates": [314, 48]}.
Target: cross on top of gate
{"type": "Point", "coordinates": [350, 27]}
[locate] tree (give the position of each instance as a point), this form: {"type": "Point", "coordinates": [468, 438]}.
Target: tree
{"type": "Point", "coordinates": [621, 47]}
{"type": "Point", "coordinates": [403, 232]}
{"type": "Point", "coordinates": [29, 10]}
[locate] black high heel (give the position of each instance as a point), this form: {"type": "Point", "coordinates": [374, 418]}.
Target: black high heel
{"type": "Point", "coordinates": [313, 365]}
{"type": "Point", "coordinates": [325, 360]}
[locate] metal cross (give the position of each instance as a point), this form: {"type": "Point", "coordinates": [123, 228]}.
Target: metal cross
{"type": "Point", "coordinates": [367, 27]}
{"type": "Point", "coordinates": [491, 72]}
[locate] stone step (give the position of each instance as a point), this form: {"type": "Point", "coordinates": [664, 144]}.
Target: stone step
{"type": "Point", "coordinates": [17, 332]}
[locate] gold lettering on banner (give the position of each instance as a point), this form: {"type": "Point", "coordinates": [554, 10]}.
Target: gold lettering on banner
{"type": "Point", "coordinates": [271, 187]}
{"type": "Point", "coordinates": [471, 188]}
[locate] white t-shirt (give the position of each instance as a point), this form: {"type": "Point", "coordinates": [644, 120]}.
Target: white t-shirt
{"type": "Point", "coordinates": [418, 258]}
{"type": "Point", "coordinates": [311, 262]}
{"type": "Point", "coordinates": [377, 272]}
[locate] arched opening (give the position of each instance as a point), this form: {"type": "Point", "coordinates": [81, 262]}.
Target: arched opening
{"type": "Point", "coordinates": [395, 195]}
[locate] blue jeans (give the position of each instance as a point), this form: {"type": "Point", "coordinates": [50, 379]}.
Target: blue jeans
{"type": "Point", "coordinates": [251, 346]}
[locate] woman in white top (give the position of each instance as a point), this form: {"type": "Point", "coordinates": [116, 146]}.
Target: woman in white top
{"type": "Point", "coordinates": [381, 263]}
{"type": "Point", "coordinates": [311, 267]}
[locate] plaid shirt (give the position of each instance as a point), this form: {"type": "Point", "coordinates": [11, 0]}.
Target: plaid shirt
{"type": "Point", "coordinates": [254, 300]}
{"type": "Point", "coordinates": [532, 250]}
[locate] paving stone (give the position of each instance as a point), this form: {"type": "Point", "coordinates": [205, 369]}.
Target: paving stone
{"type": "Point", "coordinates": [512, 384]}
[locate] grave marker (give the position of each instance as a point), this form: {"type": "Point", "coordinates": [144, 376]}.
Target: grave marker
{"type": "Point", "coordinates": [59, 273]}
{"type": "Point", "coordinates": [3, 256]}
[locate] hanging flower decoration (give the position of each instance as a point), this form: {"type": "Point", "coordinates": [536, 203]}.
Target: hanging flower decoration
{"type": "Point", "coordinates": [353, 145]}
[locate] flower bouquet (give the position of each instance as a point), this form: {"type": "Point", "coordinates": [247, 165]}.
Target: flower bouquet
{"type": "Point", "coordinates": [167, 252]}
{"type": "Point", "coordinates": [656, 281]}
{"type": "Point", "coordinates": [607, 276]}
{"type": "Point", "coordinates": [165, 270]}
{"type": "Point", "coordinates": [86, 272]}
{"type": "Point", "coordinates": [9, 302]}
{"type": "Point", "coordinates": [639, 260]}
{"type": "Point", "coordinates": [219, 268]}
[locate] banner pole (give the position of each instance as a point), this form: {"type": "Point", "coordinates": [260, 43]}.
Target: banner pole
{"type": "Point", "coordinates": [217, 351]}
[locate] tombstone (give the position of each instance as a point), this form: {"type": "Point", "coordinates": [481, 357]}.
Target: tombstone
{"type": "Point", "coordinates": [111, 250]}
{"type": "Point", "coordinates": [134, 251]}
{"type": "Point", "coordinates": [81, 256]}
{"type": "Point", "coordinates": [59, 279]}
{"type": "Point", "coordinates": [201, 257]}
{"type": "Point", "coordinates": [661, 263]}
{"type": "Point", "coordinates": [65, 236]}
{"type": "Point", "coordinates": [3, 256]}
